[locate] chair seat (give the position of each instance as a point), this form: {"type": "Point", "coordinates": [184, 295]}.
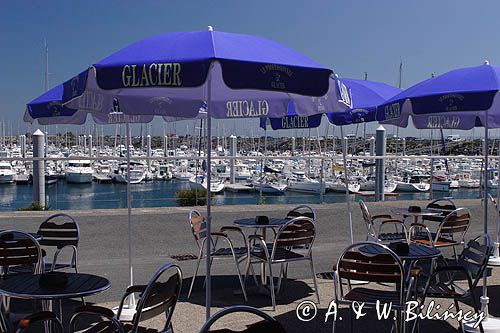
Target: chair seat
{"type": "Point", "coordinates": [438, 243]}
{"type": "Point", "coordinates": [280, 254]}
{"type": "Point", "coordinates": [370, 295]}
{"type": "Point", "coordinates": [390, 236]}
{"type": "Point", "coordinates": [48, 266]}
{"type": "Point", "coordinates": [443, 290]}
{"type": "Point", "coordinates": [226, 251]}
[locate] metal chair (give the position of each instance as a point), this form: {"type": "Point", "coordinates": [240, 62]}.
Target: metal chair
{"type": "Point", "coordinates": [106, 321]}
{"type": "Point", "coordinates": [269, 325]}
{"type": "Point", "coordinates": [60, 231]}
{"type": "Point", "coordinates": [444, 206]}
{"type": "Point", "coordinates": [302, 210]}
{"type": "Point", "coordinates": [17, 249]}
{"type": "Point", "coordinates": [451, 231]}
{"type": "Point", "coordinates": [386, 220]}
{"type": "Point", "coordinates": [385, 267]}
{"type": "Point", "coordinates": [300, 231]}
{"type": "Point", "coordinates": [472, 262]}
{"type": "Point", "coordinates": [158, 297]}
{"type": "Point", "coordinates": [238, 254]}
{"type": "Point", "coordinates": [39, 321]}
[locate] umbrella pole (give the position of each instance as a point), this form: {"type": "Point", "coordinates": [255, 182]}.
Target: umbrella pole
{"type": "Point", "coordinates": [347, 196]}
{"type": "Point", "coordinates": [208, 242]}
{"type": "Point", "coordinates": [128, 310]}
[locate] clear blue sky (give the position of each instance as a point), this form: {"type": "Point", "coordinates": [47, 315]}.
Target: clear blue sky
{"type": "Point", "coordinates": [351, 37]}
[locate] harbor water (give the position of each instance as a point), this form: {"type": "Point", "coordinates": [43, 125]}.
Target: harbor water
{"type": "Point", "coordinates": [64, 196]}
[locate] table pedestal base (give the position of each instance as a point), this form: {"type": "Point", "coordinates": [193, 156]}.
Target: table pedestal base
{"type": "Point", "coordinates": [490, 324]}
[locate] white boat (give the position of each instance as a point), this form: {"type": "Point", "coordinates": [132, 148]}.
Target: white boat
{"type": "Point", "coordinates": [369, 185]}
{"type": "Point", "coordinates": [7, 173]}
{"type": "Point", "coordinates": [200, 182]}
{"type": "Point", "coordinates": [137, 173]}
{"type": "Point", "coordinates": [79, 172]}
{"type": "Point", "coordinates": [299, 182]}
{"type": "Point", "coordinates": [339, 186]}
{"type": "Point", "coordinates": [414, 183]}
{"type": "Point", "coordinates": [270, 184]}
{"type": "Point", "coordinates": [465, 180]}
{"type": "Point", "coordinates": [241, 172]}
{"type": "Point", "coordinates": [164, 172]}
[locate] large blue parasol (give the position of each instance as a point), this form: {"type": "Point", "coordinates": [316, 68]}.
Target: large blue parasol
{"type": "Point", "coordinates": [238, 76]}
{"type": "Point", "coordinates": [460, 99]}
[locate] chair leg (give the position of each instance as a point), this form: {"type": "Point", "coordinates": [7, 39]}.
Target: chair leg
{"type": "Point", "coordinates": [314, 279]}
{"type": "Point", "coordinates": [457, 308]}
{"type": "Point", "coordinates": [194, 276]}
{"type": "Point", "coordinates": [240, 278]}
{"type": "Point", "coordinates": [271, 279]}
{"type": "Point", "coordinates": [281, 277]}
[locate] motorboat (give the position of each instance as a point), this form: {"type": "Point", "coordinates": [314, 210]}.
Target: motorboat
{"type": "Point", "coordinates": [270, 184]}
{"type": "Point", "coordinates": [137, 172]}
{"type": "Point", "coordinates": [368, 184]}
{"type": "Point", "coordinates": [413, 183]}
{"type": "Point", "coordinates": [164, 172]}
{"type": "Point", "coordinates": [7, 173]}
{"type": "Point", "coordinates": [79, 172]}
{"type": "Point", "coordinates": [299, 182]}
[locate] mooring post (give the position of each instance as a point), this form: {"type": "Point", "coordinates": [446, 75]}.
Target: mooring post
{"type": "Point", "coordinates": [39, 168]}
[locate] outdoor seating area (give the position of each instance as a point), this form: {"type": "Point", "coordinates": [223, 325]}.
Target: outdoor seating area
{"type": "Point", "coordinates": [376, 269]}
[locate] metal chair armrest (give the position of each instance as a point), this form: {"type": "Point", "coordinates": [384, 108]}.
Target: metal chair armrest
{"type": "Point", "coordinates": [96, 310]}
{"type": "Point", "coordinates": [260, 239]}
{"type": "Point", "coordinates": [391, 220]}
{"type": "Point", "coordinates": [395, 222]}
{"type": "Point", "coordinates": [236, 230]}
{"type": "Point", "coordinates": [415, 225]}
{"type": "Point", "coordinates": [381, 216]}
{"type": "Point", "coordinates": [139, 288]}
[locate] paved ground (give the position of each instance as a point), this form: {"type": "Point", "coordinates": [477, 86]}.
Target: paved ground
{"type": "Point", "coordinates": [160, 233]}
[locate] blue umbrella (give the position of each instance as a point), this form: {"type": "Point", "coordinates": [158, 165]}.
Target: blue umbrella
{"type": "Point", "coordinates": [460, 99]}
{"type": "Point", "coordinates": [239, 76]}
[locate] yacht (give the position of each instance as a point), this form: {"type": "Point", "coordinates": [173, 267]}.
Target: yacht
{"type": "Point", "coordinates": [137, 172]}
{"type": "Point", "coordinates": [368, 184]}
{"type": "Point", "coordinates": [79, 172]}
{"type": "Point", "coordinates": [7, 173]}
{"type": "Point", "coordinates": [270, 184]}
{"type": "Point", "coordinates": [164, 172]}
{"type": "Point", "coordinates": [200, 182]}
{"type": "Point", "coordinates": [299, 182]}
{"type": "Point", "coordinates": [413, 183]}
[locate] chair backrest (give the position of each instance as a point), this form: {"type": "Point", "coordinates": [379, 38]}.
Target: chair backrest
{"type": "Point", "coordinates": [59, 230]}
{"type": "Point", "coordinates": [474, 258]}
{"type": "Point", "coordinates": [367, 218]}
{"type": "Point", "coordinates": [160, 296]}
{"type": "Point", "coordinates": [445, 206]}
{"type": "Point", "coordinates": [19, 248]}
{"type": "Point", "coordinates": [302, 210]}
{"type": "Point", "coordinates": [455, 223]}
{"type": "Point", "coordinates": [371, 262]}
{"type": "Point", "coordinates": [95, 319]}
{"type": "Point", "coordinates": [299, 231]}
{"type": "Point", "coordinates": [270, 325]}
{"type": "Point", "coordinates": [198, 225]}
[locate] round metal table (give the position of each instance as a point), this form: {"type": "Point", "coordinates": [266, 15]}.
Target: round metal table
{"type": "Point", "coordinates": [416, 252]}
{"type": "Point", "coordinates": [422, 212]}
{"type": "Point", "coordinates": [27, 286]}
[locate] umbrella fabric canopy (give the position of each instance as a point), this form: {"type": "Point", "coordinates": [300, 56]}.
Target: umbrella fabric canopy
{"type": "Point", "coordinates": [459, 99]}
{"type": "Point", "coordinates": [238, 76]}
{"type": "Point", "coordinates": [365, 96]}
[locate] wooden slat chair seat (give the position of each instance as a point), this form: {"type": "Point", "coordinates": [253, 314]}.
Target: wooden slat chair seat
{"type": "Point", "coordinates": [293, 242]}
{"type": "Point", "coordinates": [385, 268]}
{"type": "Point", "coordinates": [471, 263]}
{"type": "Point", "coordinates": [400, 233]}
{"type": "Point", "coordinates": [198, 227]}
{"type": "Point", "coordinates": [58, 232]}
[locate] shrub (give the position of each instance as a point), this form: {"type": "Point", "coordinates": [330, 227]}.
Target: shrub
{"type": "Point", "coordinates": [35, 206]}
{"type": "Point", "coordinates": [191, 197]}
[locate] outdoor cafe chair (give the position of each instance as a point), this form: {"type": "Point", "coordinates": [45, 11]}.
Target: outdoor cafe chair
{"type": "Point", "coordinates": [302, 210]}
{"type": "Point", "coordinates": [268, 325]}
{"type": "Point", "coordinates": [17, 249]}
{"type": "Point", "coordinates": [450, 232]}
{"type": "Point", "coordinates": [385, 267]}
{"type": "Point", "coordinates": [38, 321]}
{"type": "Point", "coordinates": [300, 231]}
{"type": "Point", "coordinates": [400, 233]}
{"type": "Point", "coordinates": [445, 281]}
{"type": "Point", "coordinates": [158, 297]}
{"type": "Point", "coordinates": [58, 232]}
{"type": "Point", "coordinates": [444, 206]}
{"type": "Point", "coordinates": [238, 254]}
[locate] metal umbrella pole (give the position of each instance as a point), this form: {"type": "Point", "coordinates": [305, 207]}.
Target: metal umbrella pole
{"type": "Point", "coordinates": [347, 196]}
{"type": "Point", "coordinates": [208, 242]}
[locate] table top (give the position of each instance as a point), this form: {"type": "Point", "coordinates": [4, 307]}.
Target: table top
{"type": "Point", "coordinates": [423, 212]}
{"type": "Point", "coordinates": [274, 222]}
{"type": "Point", "coordinates": [28, 286]}
{"type": "Point", "coordinates": [417, 251]}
